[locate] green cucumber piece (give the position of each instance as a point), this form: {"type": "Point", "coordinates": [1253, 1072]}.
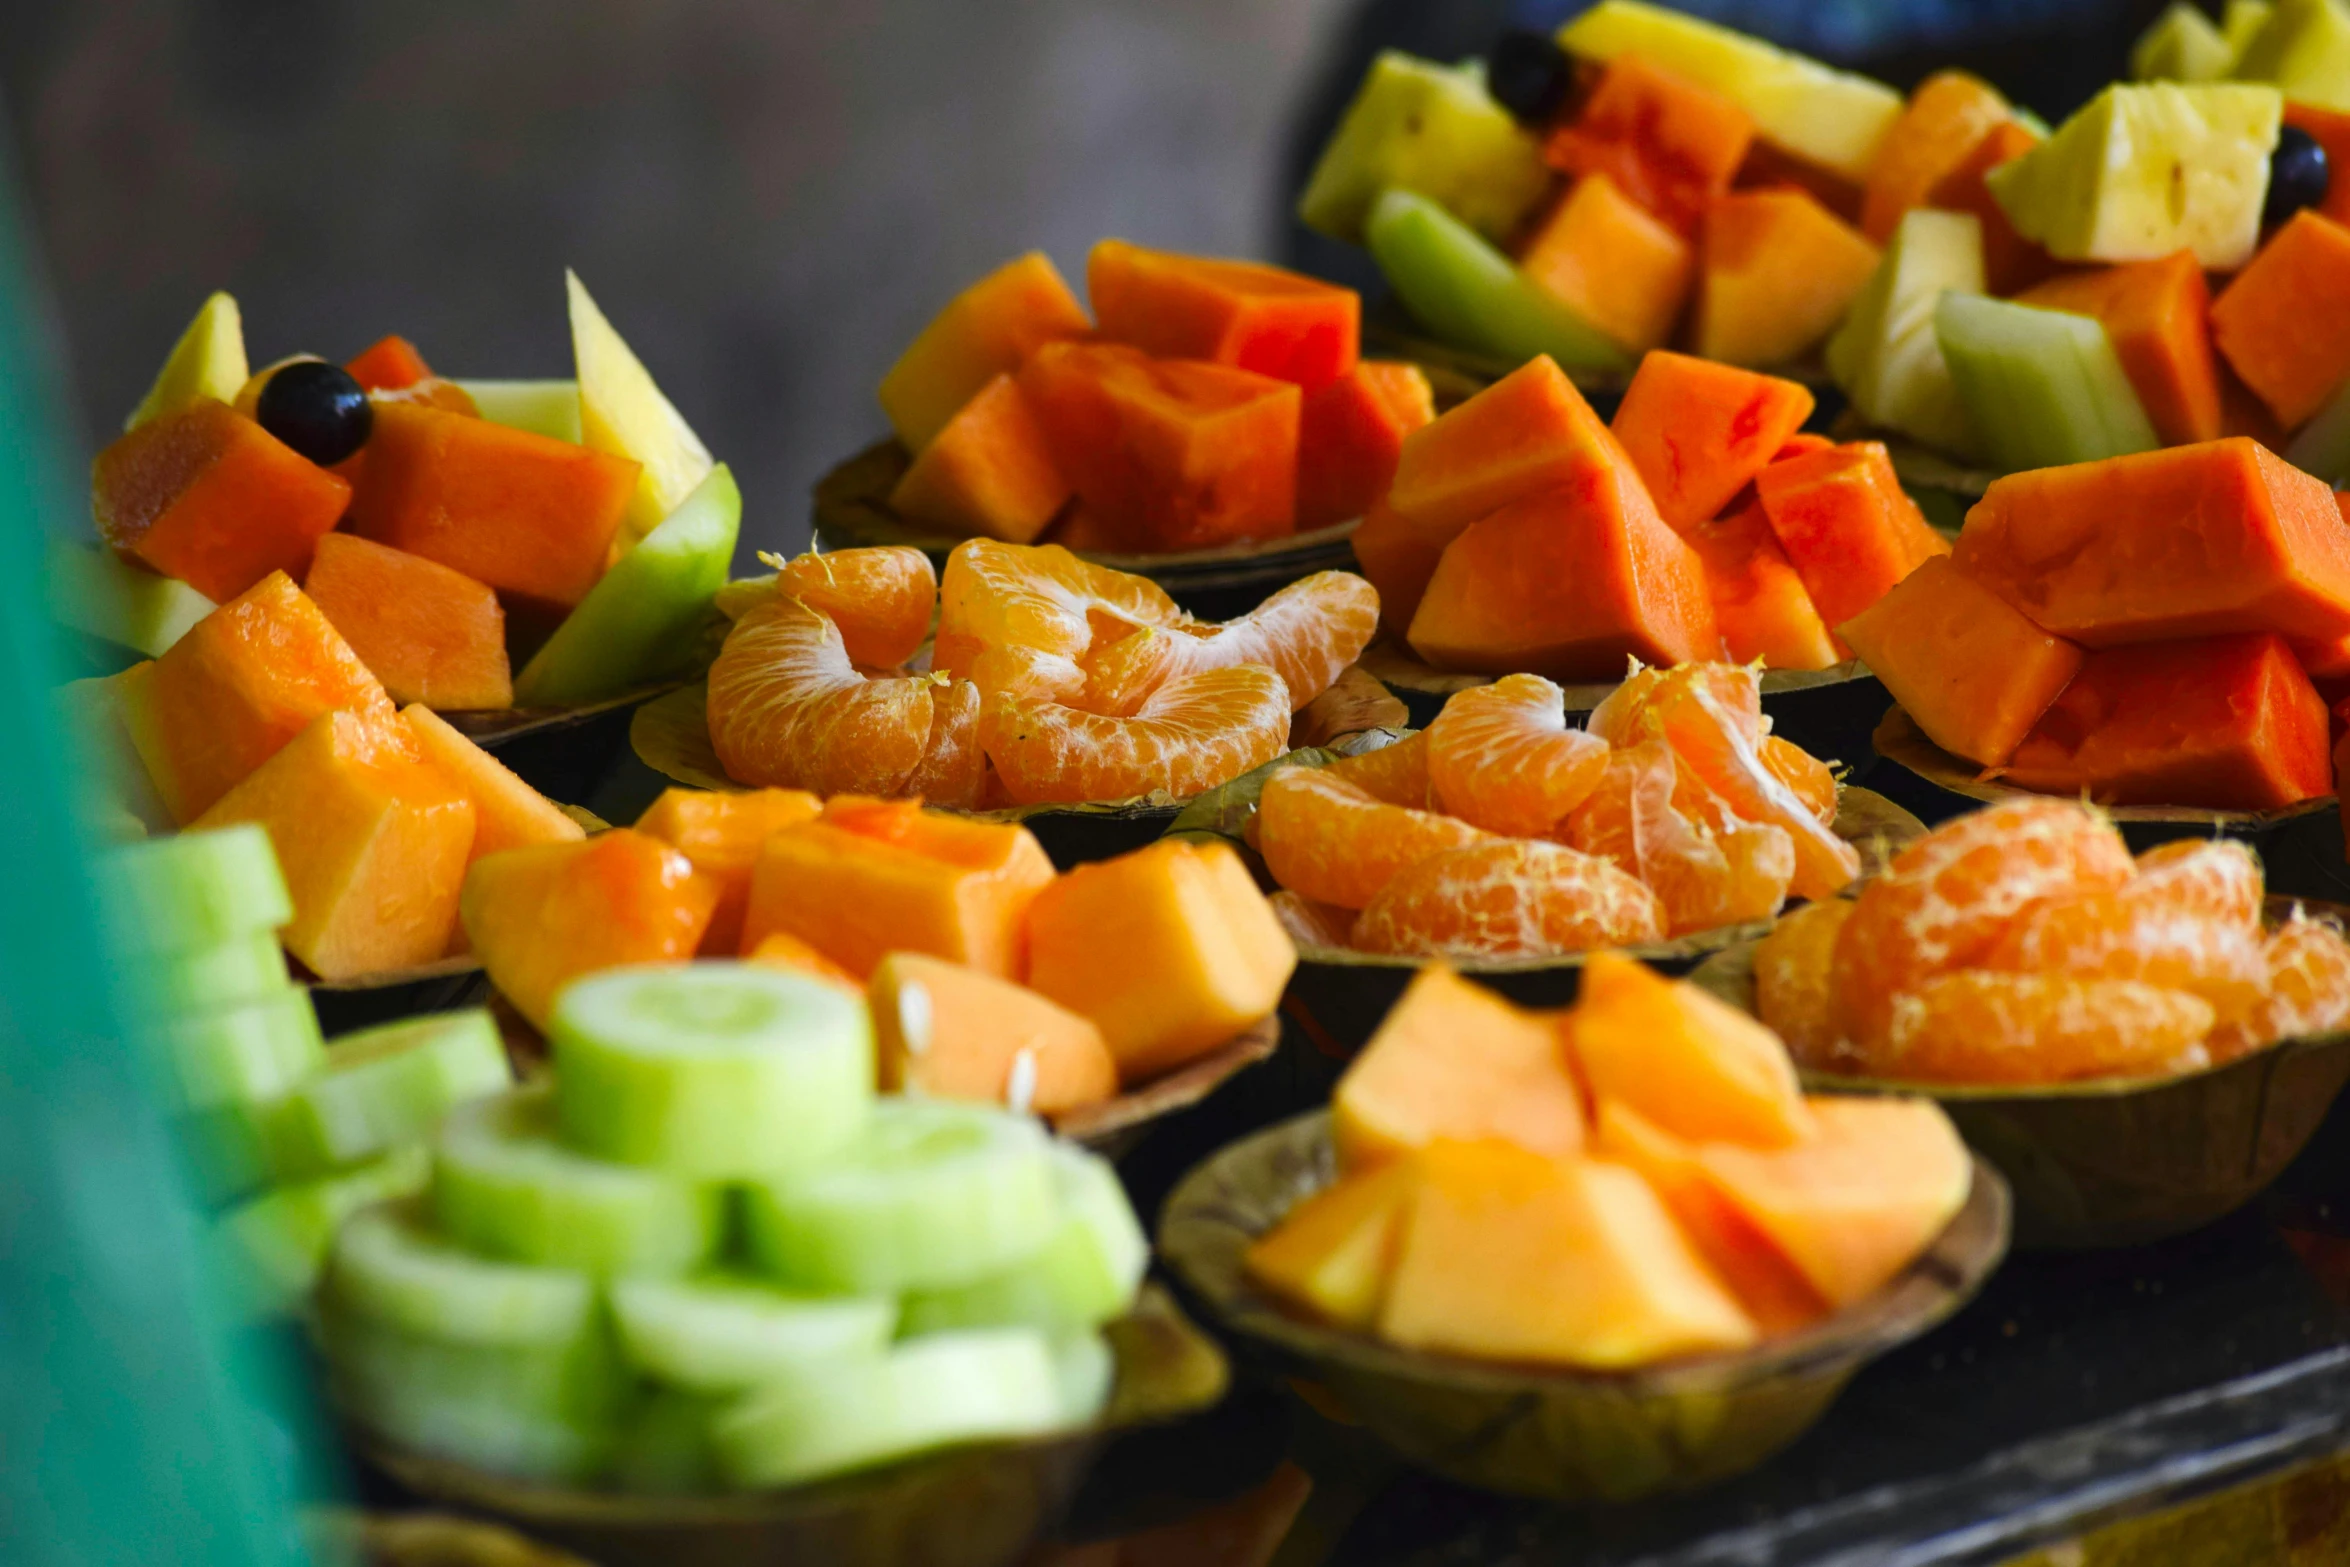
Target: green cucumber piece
{"type": "Point", "coordinates": [2042, 388]}
{"type": "Point", "coordinates": [636, 623]}
{"type": "Point", "coordinates": [666, 1450]}
{"type": "Point", "coordinates": [503, 1184]}
{"type": "Point", "coordinates": [928, 1393]}
{"type": "Point", "coordinates": [94, 590]}
{"type": "Point", "coordinates": [548, 408]}
{"type": "Point", "coordinates": [1085, 1275]}
{"type": "Point", "coordinates": [272, 1248]}
{"type": "Point", "coordinates": [1431, 128]}
{"type": "Point", "coordinates": [240, 1055]}
{"type": "Point", "coordinates": [233, 973]}
{"type": "Point", "coordinates": [1086, 1372]}
{"type": "Point", "coordinates": [1886, 355]}
{"type": "Point", "coordinates": [934, 1194]}
{"type": "Point", "coordinates": [387, 1086]}
{"type": "Point", "coordinates": [390, 1266]}
{"type": "Point", "coordinates": [715, 1069]}
{"type": "Point", "coordinates": [1467, 293]}
{"type": "Point", "coordinates": [716, 1332]}
{"type": "Point", "coordinates": [2322, 446]}
{"type": "Point", "coordinates": [195, 889]}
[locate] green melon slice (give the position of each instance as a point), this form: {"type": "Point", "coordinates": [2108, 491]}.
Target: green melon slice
{"type": "Point", "coordinates": [548, 408]}
{"type": "Point", "coordinates": [1469, 294]}
{"type": "Point", "coordinates": [1085, 1275]}
{"type": "Point", "coordinates": [1886, 355]}
{"type": "Point", "coordinates": [1420, 126]}
{"type": "Point", "coordinates": [94, 590]}
{"type": "Point", "coordinates": [201, 979]}
{"type": "Point", "coordinates": [2042, 388]}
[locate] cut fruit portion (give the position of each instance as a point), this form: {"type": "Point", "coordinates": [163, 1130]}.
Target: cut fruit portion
{"type": "Point", "coordinates": [1948, 115]}
{"type": "Point", "coordinates": [1331, 1254]}
{"type": "Point", "coordinates": [1705, 875]}
{"type": "Point", "coordinates": [622, 412]}
{"type": "Point", "coordinates": [777, 950]}
{"type": "Point", "coordinates": [1086, 1274]}
{"type": "Point", "coordinates": [2041, 388]}
{"type": "Point", "coordinates": [1527, 432]}
{"type": "Point", "coordinates": [240, 1055]}
{"type": "Point", "coordinates": [1350, 434]}
{"type": "Point", "coordinates": [1397, 559]}
{"type": "Point", "coordinates": [1337, 842]}
{"type": "Point", "coordinates": [1468, 293]}
{"type": "Point", "coordinates": [507, 813]}
{"type": "Point", "coordinates": [987, 330]}
{"type": "Point", "coordinates": [2151, 930]}
{"type": "Point", "coordinates": [388, 1265]}
{"type": "Point", "coordinates": [1777, 271]}
{"type": "Point", "coordinates": [1848, 527]}
{"type": "Point", "coordinates": [1509, 897]}
{"type": "Point", "coordinates": [1307, 633]}
{"type": "Point", "coordinates": [1666, 142]}
{"type": "Point", "coordinates": [1190, 735]}
{"type": "Point", "coordinates": [192, 891]}
{"type": "Point", "coordinates": [273, 1246]}
{"type": "Point", "coordinates": [2330, 129]}
{"type": "Point", "coordinates": [1242, 313]}
{"type": "Point", "coordinates": [2304, 47]}
{"type": "Point", "coordinates": [1018, 619]}
{"type": "Point", "coordinates": [208, 361]}
{"type": "Point", "coordinates": [1171, 950]}
{"type": "Point", "coordinates": [880, 598]}
{"type": "Point", "coordinates": [2181, 45]}
{"type": "Point", "coordinates": [1971, 670]}
{"type": "Point", "coordinates": [1794, 980]}
{"type": "Point", "coordinates": [990, 470]}
{"type": "Point", "coordinates": [2241, 21]}
{"type": "Point", "coordinates": [713, 1069]}
{"type": "Point", "coordinates": [636, 624]}
{"type": "Point", "coordinates": [1983, 1027]}
{"type": "Point", "coordinates": [1612, 263]}
{"type": "Point", "coordinates": [1502, 758]}
{"type": "Point", "coordinates": [930, 1195]}
{"type": "Point", "coordinates": [1699, 432]}
{"type": "Point", "coordinates": [1452, 1061]}
{"type": "Point", "coordinates": [1419, 126]}
{"type": "Point", "coordinates": [722, 834]}
{"type": "Point", "coordinates": [2010, 261]}
{"type": "Point", "coordinates": [2307, 990]}
{"type": "Point", "coordinates": [720, 1332]}
{"type": "Point", "coordinates": [1885, 356]}
{"type": "Point", "coordinates": [548, 408]}
{"type": "Point", "coordinates": [2156, 313]}
{"type": "Point", "coordinates": [384, 1088]}
{"type": "Point", "coordinates": [504, 1186]}
{"type": "Point", "coordinates": [203, 979]}
{"type": "Point", "coordinates": [430, 634]}
{"type": "Point", "coordinates": [1694, 1065]}
{"type": "Point", "coordinates": [955, 1033]}
{"type": "Point", "coordinates": [389, 364]}
{"type": "Point", "coordinates": [93, 589]}
{"type": "Point", "coordinates": [1760, 603]}
{"type": "Point", "coordinates": [2279, 321]}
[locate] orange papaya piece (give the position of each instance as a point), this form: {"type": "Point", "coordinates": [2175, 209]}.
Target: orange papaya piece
{"type": "Point", "coordinates": [2328, 659]}
{"type": "Point", "coordinates": [986, 330]}
{"type": "Point", "coordinates": [389, 364]}
{"type": "Point", "coordinates": [1246, 314]}
{"type": "Point", "coordinates": [1760, 604]}
{"type": "Point", "coordinates": [1947, 118]}
{"type": "Point", "coordinates": [2283, 322]}
{"type": "Point", "coordinates": [722, 834]}
{"type": "Point", "coordinates": [1397, 559]}
{"type": "Point", "coordinates": [1846, 524]}
{"type": "Point", "coordinates": [1619, 267]}
{"type": "Point", "coordinates": [990, 471]}
{"type": "Point", "coordinates": [507, 813]}
{"type": "Point", "coordinates": [952, 1032]}
{"type": "Point", "coordinates": [1699, 431]}
{"type": "Point", "coordinates": [2010, 262]}
{"type": "Point", "coordinates": [430, 634]}
{"type": "Point", "coordinates": [2156, 313]}
{"type": "Point", "coordinates": [1664, 141]}
{"type": "Point", "coordinates": [206, 495]}
{"type": "Point", "coordinates": [1350, 434]}
{"type": "Point", "coordinates": [1776, 273]}
{"type": "Point", "coordinates": [2330, 129]}
{"type": "Point", "coordinates": [1769, 167]}
{"type": "Point", "coordinates": [1530, 430]}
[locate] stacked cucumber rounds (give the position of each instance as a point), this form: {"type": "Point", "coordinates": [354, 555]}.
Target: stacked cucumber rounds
{"type": "Point", "coordinates": [707, 1257]}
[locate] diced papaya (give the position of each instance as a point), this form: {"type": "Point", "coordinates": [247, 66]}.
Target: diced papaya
{"type": "Point", "coordinates": [986, 330]}
{"type": "Point", "coordinates": [2330, 129]}
{"type": "Point", "coordinates": [430, 634]}
{"type": "Point", "coordinates": [389, 364]}
{"type": "Point", "coordinates": [373, 842]}
{"type": "Point", "coordinates": [1267, 319]}
{"type": "Point", "coordinates": [873, 877]}
{"type": "Point", "coordinates": [245, 679]}
{"type": "Point", "coordinates": [1350, 434]}
{"type": "Point", "coordinates": [2324, 660]}
{"type": "Point", "coordinates": [1770, 167]}
{"type": "Point", "coordinates": [778, 950]}
{"type": "Point", "coordinates": [2011, 262]}
{"type": "Point", "coordinates": [1619, 268]}
{"type": "Point", "coordinates": [1801, 444]}
{"type": "Point", "coordinates": [1453, 1060]}
{"type": "Point", "coordinates": [1191, 454]}
{"type": "Point", "coordinates": [542, 916]}
{"type": "Point", "coordinates": [528, 514]}
{"type": "Point", "coordinates": [1699, 432]}
{"type": "Point", "coordinates": [1398, 559]}
{"type": "Point", "coordinates": [507, 813]}
{"type": "Point", "coordinates": [990, 471]}
{"type": "Point", "coordinates": [1511, 1255]}
{"type": "Point", "coordinates": [1332, 1253]}
{"type": "Point", "coordinates": [952, 1032]}
{"type": "Point", "coordinates": [1171, 950]}
{"type": "Point", "coordinates": [1760, 604]}
{"type": "Point", "coordinates": [2189, 541]}
{"type": "Point", "coordinates": [1846, 524]}
{"type": "Point", "coordinates": [1666, 142]}
{"type": "Point", "coordinates": [1567, 583]}
{"type": "Point", "coordinates": [1856, 1203]}
{"type": "Point", "coordinates": [2284, 321]}
{"type": "Point", "coordinates": [1971, 670]}
{"type": "Point", "coordinates": [1089, 530]}
{"type": "Point", "coordinates": [1530, 430]}
{"type": "Point", "coordinates": [206, 495]}
{"type": "Point", "coordinates": [2156, 314]}
{"type": "Point", "coordinates": [1693, 1064]}
{"type": "Point", "coordinates": [723, 834]}
{"type": "Point", "coordinates": [2224, 723]}
{"type": "Point", "coordinates": [1776, 273]}
{"type": "Point", "coordinates": [1947, 118]}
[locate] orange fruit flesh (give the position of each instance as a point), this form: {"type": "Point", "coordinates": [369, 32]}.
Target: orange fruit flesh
{"type": "Point", "coordinates": [1793, 982]}
{"type": "Point", "coordinates": [881, 598]}
{"type": "Point", "coordinates": [1042, 601]}
{"type": "Point", "coordinates": [1335, 842]}
{"type": "Point", "coordinates": [1510, 897]}
{"type": "Point", "coordinates": [1192, 734]}
{"type": "Point", "coordinates": [1306, 633]}
{"type": "Point", "coordinates": [2307, 990]}
{"type": "Point", "coordinates": [1978, 1026]}
{"type": "Point", "coordinates": [1502, 757]}
{"type": "Point", "coordinates": [2138, 931]}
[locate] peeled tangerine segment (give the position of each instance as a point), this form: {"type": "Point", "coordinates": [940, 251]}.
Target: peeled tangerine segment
{"type": "Point", "coordinates": [1085, 1275]}
{"type": "Point", "coordinates": [1502, 758]}
{"type": "Point", "coordinates": [1331, 1254]}
{"type": "Point", "coordinates": [1335, 841]}
{"type": "Point", "coordinates": [880, 598]}
{"type": "Point", "coordinates": [385, 1087]}
{"type": "Point", "coordinates": [718, 1070]}
{"type": "Point", "coordinates": [1468, 293]}
{"type": "Point", "coordinates": [1307, 634]}
{"type": "Point", "coordinates": [1703, 878]}
{"type": "Point", "coordinates": [196, 890]}
{"type": "Point", "coordinates": [929, 1392]}
{"type": "Point", "coordinates": [1041, 604]}
{"type": "Point", "coordinates": [390, 1266]}
{"type": "Point", "coordinates": [1793, 975]}
{"type": "Point", "coordinates": [2307, 990]}
{"type": "Point", "coordinates": [274, 1245]}
{"type": "Point", "coordinates": [719, 1332]}
{"type": "Point", "coordinates": [1979, 1026]}
{"type": "Point", "coordinates": [242, 1054]}
{"type": "Point", "coordinates": [1693, 1064]}
{"type": "Point", "coordinates": [932, 1194]}
{"type": "Point", "coordinates": [504, 1186]}
{"type": "Point", "coordinates": [1509, 897]}
{"type": "Point", "coordinates": [952, 1032]}
{"type": "Point", "coordinates": [1886, 355]}
{"type": "Point", "coordinates": [1192, 734]}
{"type": "Point", "coordinates": [2041, 387]}
{"type": "Point", "coordinates": [1453, 1060]}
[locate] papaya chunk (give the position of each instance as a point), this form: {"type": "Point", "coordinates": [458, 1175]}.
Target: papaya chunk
{"type": "Point", "coordinates": [2156, 314]}
{"type": "Point", "coordinates": [722, 834]}
{"type": "Point", "coordinates": [1617, 266]}
{"type": "Point", "coordinates": [1688, 1061]}
{"type": "Point", "coordinates": [990, 471]}
{"type": "Point", "coordinates": [986, 330]}
{"type": "Point", "coordinates": [389, 364]}
{"type": "Point", "coordinates": [1664, 141]}
{"type": "Point", "coordinates": [1760, 603]}
{"type": "Point", "coordinates": [1847, 525]}
{"type": "Point", "coordinates": [1350, 434]}
{"type": "Point", "coordinates": [1528, 431]}
{"type": "Point", "coordinates": [1778, 272]}
{"type": "Point", "coordinates": [430, 634]}
{"type": "Point", "coordinates": [1267, 319]}
{"type": "Point", "coordinates": [1699, 431]}
{"type": "Point", "coordinates": [2284, 321]}
{"type": "Point", "coordinates": [1947, 118]}
{"type": "Point", "coordinates": [1397, 559]}
{"type": "Point", "coordinates": [2011, 263]}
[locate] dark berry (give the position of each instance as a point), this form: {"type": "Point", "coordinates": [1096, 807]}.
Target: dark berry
{"type": "Point", "coordinates": [317, 409]}
{"type": "Point", "coordinates": [2298, 174]}
{"type": "Point", "coordinates": [1529, 74]}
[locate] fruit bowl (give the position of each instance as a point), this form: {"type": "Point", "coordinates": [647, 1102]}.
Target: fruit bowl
{"type": "Point", "coordinates": [976, 1506]}
{"type": "Point", "coordinates": [2121, 1161]}
{"type": "Point", "coordinates": [1555, 1434]}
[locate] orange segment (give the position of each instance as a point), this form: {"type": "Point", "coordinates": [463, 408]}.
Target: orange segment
{"type": "Point", "coordinates": [1502, 757]}
{"type": "Point", "coordinates": [1813, 780]}
{"type": "Point", "coordinates": [1311, 924]}
{"type": "Point", "coordinates": [880, 598]}
{"type": "Point", "coordinates": [1982, 1027]}
{"type": "Point", "coordinates": [1335, 842]}
{"type": "Point", "coordinates": [1306, 633]}
{"type": "Point", "coordinates": [1703, 879]}
{"type": "Point", "coordinates": [2214, 876]}
{"type": "Point", "coordinates": [1620, 719]}
{"type": "Point", "coordinates": [2306, 990]}
{"type": "Point", "coordinates": [1509, 898]}
{"type": "Point", "coordinates": [1041, 605]}
{"type": "Point", "coordinates": [1191, 735]}
{"type": "Point", "coordinates": [1397, 774]}
{"type": "Point", "coordinates": [1793, 977]}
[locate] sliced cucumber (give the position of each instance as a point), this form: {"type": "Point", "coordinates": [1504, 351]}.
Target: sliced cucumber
{"type": "Point", "coordinates": [934, 1194]}
{"type": "Point", "coordinates": [716, 1332]}
{"type": "Point", "coordinates": [388, 1265]}
{"type": "Point", "coordinates": [1085, 1275]}
{"type": "Point", "coordinates": [232, 973]}
{"type": "Point", "coordinates": [2042, 388]}
{"type": "Point", "coordinates": [387, 1086]}
{"type": "Point", "coordinates": [240, 1055]}
{"type": "Point", "coordinates": [1087, 1373]}
{"type": "Point", "coordinates": [548, 408]}
{"type": "Point", "coordinates": [666, 1450]}
{"type": "Point", "coordinates": [927, 1393]}
{"type": "Point", "coordinates": [272, 1247]}
{"type": "Point", "coordinates": [93, 589]}
{"type": "Point", "coordinates": [716, 1069]}
{"type": "Point", "coordinates": [1469, 294]}
{"type": "Point", "coordinates": [195, 889]}
{"type": "Point", "coordinates": [504, 1185]}
{"type": "Point", "coordinates": [2322, 446]}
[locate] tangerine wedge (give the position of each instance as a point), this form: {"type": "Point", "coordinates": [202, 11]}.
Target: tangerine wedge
{"type": "Point", "coordinates": [1306, 633]}
{"type": "Point", "coordinates": [2214, 876]}
{"type": "Point", "coordinates": [1793, 978]}
{"type": "Point", "coordinates": [1502, 757]}
{"type": "Point", "coordinates": [880, 598]}
{"type": "Point", "coordinates": [1335, 842]}
{"type": "Point", "coordinates": [1981, 1027]}
{"type": "Point", "coordinates": [1194, 733]}
{"type": "Point", "coordinates": [1311, 924]}
{"type": "Point", "coordinates": [1702, 878]}
{"type": "Point", "coordinates": [1397, 773]}
{"type": "Point", "coordinates": [2306, 990]}
{"type": "Point", "coordinates": [1016, 618]}
{"type": "Point", "coordinates": [1509, 898]}
{"type": "Point", "coordinates": [1620, 719]}
{"type": "Point", "coordinates": [1813, 780]}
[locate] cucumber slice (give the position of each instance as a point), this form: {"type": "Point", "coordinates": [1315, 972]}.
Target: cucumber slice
{"type": "Point", "coordinates": [388, 1265]}
{"type": "Point", "coordinates": [93, 589]}
{"type": "Point", "coordinates": [195, 889]}
{"type": "Point", "coordinates": [666, 1450]}
{"type": "Point", "coordinates": [717, 1333]}
{"type": "Point", "coordinates": [548, 408]}
{"type": "Point", "coordinates": [240, 1055]}
{"type": "Point", "coordinates": [927, 1393]}
{"type": "Point", "coordinates": [716, 1069]}
{"type": "Point", "coordinates": [387, 1086]}
{"type": "Point", "coordinates": [1086, 1371]}
{"type": "Point", "coordinates": [934, 1194]}
{"type": "Point", "coordinates": [502, 1184]}
{"type": "Point", "coordinates": [240, 970]}
{"type": "Point", "coordinates": [1084, 1276]}
{"type": "Point", "coordinates": [272, 1248]}
{"type": "Point", "coordinates": [2322, 446]}
{"type": "Point", "coordinates": [636, 624]}
{"type": "Point", "coordinates": [2042, 388]}
{"type": "Point", "coordinates": [1468, 293]}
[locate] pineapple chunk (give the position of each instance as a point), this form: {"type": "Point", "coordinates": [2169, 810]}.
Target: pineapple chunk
{"type": "Point", "coordinates": [622, 412]}
{"type": "Point", "coordinates": [2303, 47]}
{"type": "Point", "coordinates": [1886, 356]}
{"type": "Point", "coordinates": [207, 361]}
{"type": "Point", "coordinates": [1419, 126]}
{"type": "Point", "coordinates": [2183, 45]}
{"type": "Point", "coordinates": [2240, 23]}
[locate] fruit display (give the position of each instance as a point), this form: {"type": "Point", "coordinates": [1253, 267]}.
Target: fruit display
{"type": "Point", "coordinates": [578, 529]}
{"type": "Point", "coordinates": [1204, 404]}
{"type": "Point", "coordinates": [1522, 534]}
{"type": "Point", "coordinates": [1050, 679]}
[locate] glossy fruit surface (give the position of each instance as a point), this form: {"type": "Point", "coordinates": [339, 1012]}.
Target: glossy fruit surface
{"type": "Point", "coordinates": [318, 410]}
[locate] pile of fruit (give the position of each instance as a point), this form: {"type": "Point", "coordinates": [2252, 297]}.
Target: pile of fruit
{"type": "Point", "coordinates": [2022, 944]}
{"type": "Point", "coordinates": [1210, 403]}
{"type": "Point", "coordinates": [1500, 832]}
{"type": "Point", "coordinates": [2143, 630]}
{"type": "Point", "coordinates": [1521, 533]}
{"type": "Point", "coordinates": [706, 1257]}
{"type": "Point", "coordinates": [1051, 679]}
{"type": "Point", "coordinates": [991, 977]}
{"type": "Point", "coordinates": [440, 527]}
{"type": "Point", "coordinates": [1632, 1180]}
